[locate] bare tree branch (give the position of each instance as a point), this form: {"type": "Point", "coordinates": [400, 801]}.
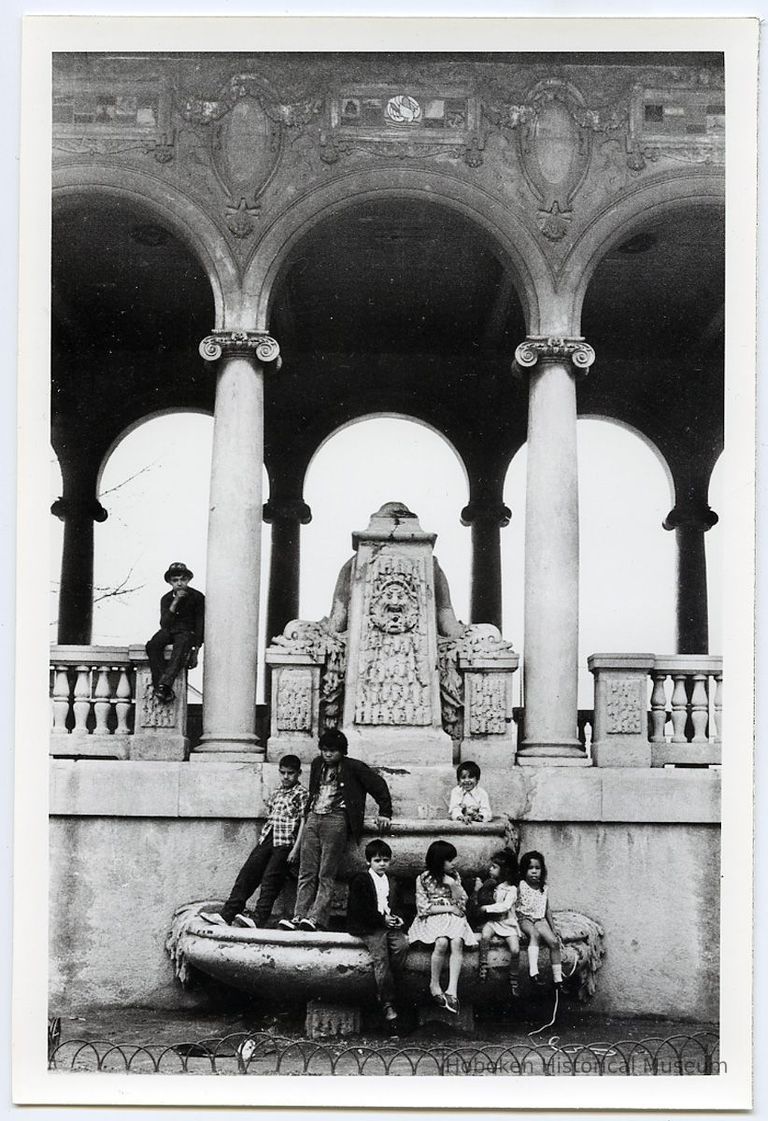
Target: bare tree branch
{"type": "Point", "coordinates": [130, 478]}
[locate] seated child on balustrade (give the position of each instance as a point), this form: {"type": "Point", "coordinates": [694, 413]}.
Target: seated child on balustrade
{"type": "Point", "coordinates": [372, 914]}
{"type": "Point", "coordinates": [535, 916]}
{"type": "Point", "coordinates": [469, 802]}
{"type": "Point", "coordinates": [278, 846]}
{"type": "Point", "coordinates": [498, 914]}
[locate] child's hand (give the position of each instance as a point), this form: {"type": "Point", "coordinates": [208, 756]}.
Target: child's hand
{"type": "Point", "coordinates": [478, 883]}
{"type": "Point", "coordinates": [393, 920]}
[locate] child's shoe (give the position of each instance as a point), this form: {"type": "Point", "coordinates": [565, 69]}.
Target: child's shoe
{"type": "Point", "coordinates": [538, 980]}
{"type": "Point", "coordinates": [289, 924]}
{"type": "Point", "coordinates": [439, 999]}
{"type": "Point", "coordinates": [243, 920]}
{"type": "Point", "coordinates": [452, 1003]}
{"type": "Point", "coordinates": [307, 924]}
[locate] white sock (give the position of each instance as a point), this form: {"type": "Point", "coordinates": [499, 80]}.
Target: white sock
{"type": "Point", "coordinates": [533, 960]}
{"type": "Point", "coordinates": [557, 973]}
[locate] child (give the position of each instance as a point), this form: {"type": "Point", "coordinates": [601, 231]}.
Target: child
{"type": "Point", "coordinates": [268, 863]}
{"type": "Point", "coordinates": [440, 919]}
{"type": "Point", "coordinates": [371, 914]}
{"type": "Point", "coordinates": [469, 802]}
{"type": "Point", "coordinates": [337, 790]}
{"type": "Point", "coordinates": [182, 612]}
{"type": "Point", "coordinates": [501, 916]}
{"type": "Point", "coordinates": [535, 916]}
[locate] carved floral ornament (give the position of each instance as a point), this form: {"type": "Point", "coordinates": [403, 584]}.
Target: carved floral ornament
{"type": "Point", "coordinates": [263, 346]}
{"type": "Point", "coordinates": [553, 348]}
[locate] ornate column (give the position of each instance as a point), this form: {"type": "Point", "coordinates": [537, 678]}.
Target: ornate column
{"type": "Point", "coordinates": [487, 518]}
{"type": "Point", "coordinates": [234, 544]}
{"type": "Point", "coordinates": [690, 520]}
{"type": "Point", "coordinates": [78, 510]}
{"type": "Point", "coordinates": [287, 516]}
{"type": "Point", "coordinates": [552, 551]}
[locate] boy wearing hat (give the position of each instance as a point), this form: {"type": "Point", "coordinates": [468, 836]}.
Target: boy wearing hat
{"type": "Point", "coordinates": [182, 613]}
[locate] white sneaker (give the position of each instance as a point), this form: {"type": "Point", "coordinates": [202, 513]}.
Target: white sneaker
{"type": "Point", "coordinates": [214, 918]}
{"type": "Point", "coordinates": [243, 920]}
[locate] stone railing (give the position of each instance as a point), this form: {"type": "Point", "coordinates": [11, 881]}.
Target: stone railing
{"type": "Point", "coordinates": [652, 710]}
{"type": "Point", "coordinates": [102, 706]}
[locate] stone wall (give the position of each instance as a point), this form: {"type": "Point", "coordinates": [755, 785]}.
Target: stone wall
{"type": "Point", "coordinates": [132, 841]}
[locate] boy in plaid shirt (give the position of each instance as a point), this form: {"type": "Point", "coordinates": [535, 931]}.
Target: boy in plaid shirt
{"type": "Point", "coordinates": [278, 846]}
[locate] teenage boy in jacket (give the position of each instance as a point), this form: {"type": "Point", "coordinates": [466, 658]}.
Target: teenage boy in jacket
{"type": "Point", "coordinates": [182, 620]}
{"type": "Point", "coordinates": [337, 789]}
{"type": "Point", "coordinates": [372, 914]}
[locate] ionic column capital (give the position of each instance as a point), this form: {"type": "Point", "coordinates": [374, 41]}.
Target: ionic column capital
{"type": "Point", "coordinates": [553, 348]}
{"type": "Point", "coordinates": [248, 343]}
{"type": "Point", "coordinates": [287, 510]}
{"type": "Point", "coordinates": [64, 508]}
{"type": "Point", "coordinates": [691, 515]}
{"type": "Point", "coordinates": [490, 513]}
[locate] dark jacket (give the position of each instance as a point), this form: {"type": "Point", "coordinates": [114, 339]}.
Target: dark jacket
{"type": "Point", "coordinates": [363, 915]}
{"type": "Point", "coordinates": [357, 779]}
{"type": "Point", "coordinates": [189, 616]}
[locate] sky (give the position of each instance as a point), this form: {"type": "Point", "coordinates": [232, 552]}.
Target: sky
{"type": "Point", "coordinates": [627, 561]}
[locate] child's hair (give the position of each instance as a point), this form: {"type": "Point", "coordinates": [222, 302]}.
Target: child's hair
{"type": "Point", "coordinates": [290, 763]}
{"type": "Point", "coordinates": [525, 862]}
{"type": "Point", "coordinates": [437, 854]}
{"type": "Point", "coordinates": [507, 863]}
{"type": "Point", "coordinates": [468, 768]}
{"type": "Point", "coordinates": [333, 739]}
{"type": "Point", "coordinates": [377, 847]}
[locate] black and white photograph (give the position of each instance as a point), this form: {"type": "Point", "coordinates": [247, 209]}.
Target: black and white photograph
{"type": "Point", "coordinates": [387, 447]}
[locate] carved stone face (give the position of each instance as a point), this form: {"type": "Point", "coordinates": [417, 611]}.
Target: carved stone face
{"type": "Point", "coordinates": [394, 609]}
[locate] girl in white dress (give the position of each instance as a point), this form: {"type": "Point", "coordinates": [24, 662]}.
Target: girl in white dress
{"type": "Point", "coordinates": [441, 904]}
{"type": "Point", "coordinates": [502, 919]}
{"type": "Point", "coordinates": [535, 917]}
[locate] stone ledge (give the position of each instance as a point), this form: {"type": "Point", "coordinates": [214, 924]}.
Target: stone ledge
{"type": "Point", "coordinates": [114, 788]}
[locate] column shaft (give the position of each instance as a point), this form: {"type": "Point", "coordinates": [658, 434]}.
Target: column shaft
{"type": "Point", "coordinates": [486, 572]}
{"type": "Point", "coordinates": [552, 552]}
{"type": "Point", "coordinates": [283, 600]}
{"type": "Point", "coordinates": [75, 622]}
{"type": "Point", "coordinates": [692, 610]}
{"type": "Point", "coordinates": [234, 556]}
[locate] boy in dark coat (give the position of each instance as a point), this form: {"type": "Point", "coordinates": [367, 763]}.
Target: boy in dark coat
{"type": "Point", "coordinates": [337, 790]}
{"type": "Point", "coordinates": [182, 614]}
{"type": "Point", "coordinates": [371, 914]}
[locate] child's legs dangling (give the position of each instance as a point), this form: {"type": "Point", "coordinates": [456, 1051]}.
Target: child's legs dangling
{"type": "Point", "coordinates": [550, 939]}
{"type": "Point", "coordinates": [528, 928]}
{"type": "Point", "coordinates": [436, 965]}
{"type": "Point", "coordinates": [514, 961]}
{"type": "Point", "coordinates": [454, 966]}
{"type": "Point", "coordinates": [485, 944]}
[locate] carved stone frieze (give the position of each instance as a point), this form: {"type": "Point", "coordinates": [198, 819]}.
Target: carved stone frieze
{"type": "Point", "coordinates": [327, 649]}
{"type": "Point", "coordinates": [154, 713]}
{"type": "Point", "coordinates": [625, 704]}
{"type": "Point", "coordinates": [487, 704]}
{"type": "Point", "coordinates": [394, 679]}
{"type": "Point", "coordinates": [294, 701]}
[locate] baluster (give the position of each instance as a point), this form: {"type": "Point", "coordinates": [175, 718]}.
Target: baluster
{"type": "Point", "coordinates": [122, 701]}
{"type": "Point", "coordinates": [101, 701]}
{"type": "Point", "coordinates": [679, 708]}
{"type": "Point", "coordinates": [699, 708]}
{"type": "Point", "coordinates": [82, 701]}
{"type": "Point", "coordinates": [718, 706]}
{"type": "Point", "coordinates": [60, 701]}
{"type": "Point", "coordinates": [658, 707]}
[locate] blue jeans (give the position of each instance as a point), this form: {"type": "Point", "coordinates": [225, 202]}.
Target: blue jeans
{"type": "Point", "coordinates": [322, 846]}
{"type": "Point", "coordinates": [266, 866]}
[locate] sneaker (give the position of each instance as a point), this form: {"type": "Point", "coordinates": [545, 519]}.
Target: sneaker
{"type": "Point", "coordinates": [452, 1004]}
{"type": "Point", "coordinates": [289, 924]}
{"type": "Point", "coordinates": [243, 920]}
{"type": "Point", "coordinates": [307, 924]}
{"type": "Point", "coordinates": [214, 918]}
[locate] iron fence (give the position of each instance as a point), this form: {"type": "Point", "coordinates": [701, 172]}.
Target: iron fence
{"type": "Point", "coordinates": [262, 1053]}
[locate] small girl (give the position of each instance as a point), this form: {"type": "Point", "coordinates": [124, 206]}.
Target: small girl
{"type": "Point", "coordinates": [502, 872]}
{"type": "Point", "coordinates": [535, 916]}
{"type": "Point", "coordinates": [440, 919]}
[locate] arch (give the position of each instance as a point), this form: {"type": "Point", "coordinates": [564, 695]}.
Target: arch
{"type": "Point", "coordinates": [507, 230]}
{"type": "Point", "coordinates": [134, 426]}
{"type": "Point", "coordinates": [649, 443]}
{"type": "Point", "coordinates": [342, 502]}
{"type": "Point", "coordinates": [194, 226]}
{"type": "Point", "coordinates": [618, 219]}
{"type": "Point", "coordinates": [388, 416]}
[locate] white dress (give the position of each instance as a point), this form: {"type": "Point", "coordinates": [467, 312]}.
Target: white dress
{"type": "Point", "coordinates": [428, 928]}
{"type": "Point", "coordinates": [501, 913]}
{"type": "Point", "coordinates": [531, 902]}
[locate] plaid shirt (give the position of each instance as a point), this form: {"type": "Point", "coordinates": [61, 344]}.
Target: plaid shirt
{"type": "Point", "coordinates": [286, 809]}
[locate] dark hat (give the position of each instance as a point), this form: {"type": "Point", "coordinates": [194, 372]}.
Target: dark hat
{"type": "Point", "coordinates": [177, 569]}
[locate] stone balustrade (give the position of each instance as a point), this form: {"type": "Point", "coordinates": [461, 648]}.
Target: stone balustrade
{"type": "Point", "coordinates": [102, 706]}
{"type": "Point", "coordinates": [652, 710]}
